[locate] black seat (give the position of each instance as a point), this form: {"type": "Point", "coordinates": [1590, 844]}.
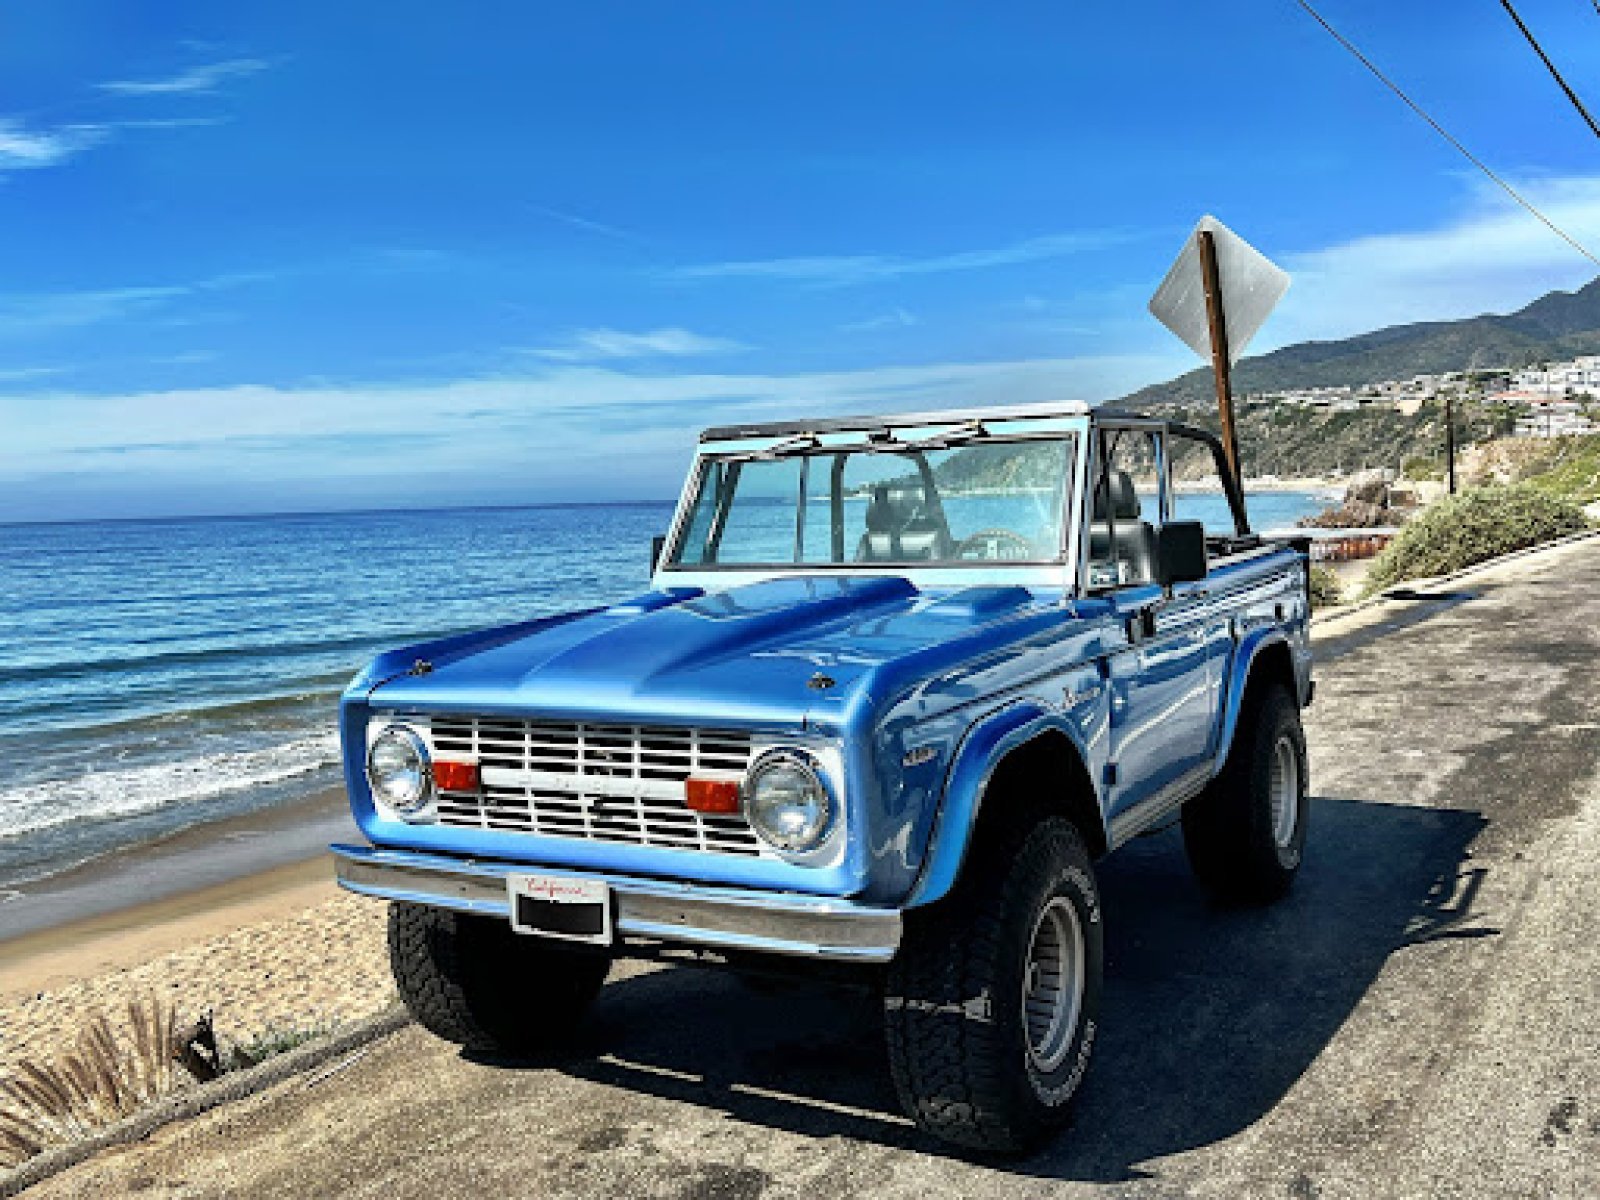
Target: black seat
{"type": "Point", "coordinates": [1120, 511]}
{"type": "Point", "coordinates": [900, 528]}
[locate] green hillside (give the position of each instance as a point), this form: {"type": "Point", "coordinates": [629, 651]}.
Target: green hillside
{"type": "Point", "coordinates": [1286, 441]}
{"type": "Point", "coordinates": [1557, 326]}
{"type": "Point", "coordinates": [1282, 440]}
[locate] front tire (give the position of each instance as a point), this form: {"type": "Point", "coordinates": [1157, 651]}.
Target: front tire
{"type": "Point", "coordinates": [992, 1001]}
{"type": "Point", "coordinates": [1246, 833]}
{"type": "Point", "coordinates": [471, 980]}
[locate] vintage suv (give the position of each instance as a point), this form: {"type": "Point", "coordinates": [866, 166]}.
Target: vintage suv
{"type": "Point", "coordinates": [898, 684]}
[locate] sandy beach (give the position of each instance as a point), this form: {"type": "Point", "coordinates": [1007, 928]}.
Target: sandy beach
{"type": "Point", "coordinates": [303, 958]}
{"type": "Point", "coordinates": [240, 917]}
{"type": "Point", "coordinates": [1317, 484]}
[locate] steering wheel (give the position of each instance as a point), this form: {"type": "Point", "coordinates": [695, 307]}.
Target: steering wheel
{"type": "Point", "coordinates": [995, 544]}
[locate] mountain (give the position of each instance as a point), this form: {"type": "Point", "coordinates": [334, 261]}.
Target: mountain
{"type": "Point", "coordinates": [1556, 326]}
{"type": "Point", "coordinates": [1289, 441]}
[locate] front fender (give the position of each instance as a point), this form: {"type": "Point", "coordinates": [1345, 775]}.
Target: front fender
{"type": "Point", "coordinates": [1249, 651]}
{"type": "Point", "coordinates": [989, 740]}
{"type": "Point", "coordinates": [355, 705]}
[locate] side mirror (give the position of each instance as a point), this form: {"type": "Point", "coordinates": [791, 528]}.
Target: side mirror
{"type": "Point", "coordinates": [657, 545]}
{"type": "Point", "coordinates": [1180, 552]}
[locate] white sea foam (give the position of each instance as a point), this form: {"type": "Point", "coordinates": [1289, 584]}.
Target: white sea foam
{"type": "Point", "coordinates": [106, 794]}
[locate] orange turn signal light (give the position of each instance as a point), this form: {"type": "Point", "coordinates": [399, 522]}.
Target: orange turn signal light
{"type": "Point", "coordinates": [455, 776]}
{"type": "Point", "coordinates": [711, 795]}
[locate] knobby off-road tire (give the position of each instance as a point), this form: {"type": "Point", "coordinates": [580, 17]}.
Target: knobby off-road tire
{"type": "Point", "coordinates": [969, 1065]}
{"type": "Point", "coordinates": [1246, 832]}
{"type": "Point", "coordinates": [472, 981]}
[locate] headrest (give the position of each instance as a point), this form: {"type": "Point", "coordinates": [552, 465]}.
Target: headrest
{"type": "Point", "coordinates": [1124, 499]}
{"type": "Point", "coordinates": [892, 510]}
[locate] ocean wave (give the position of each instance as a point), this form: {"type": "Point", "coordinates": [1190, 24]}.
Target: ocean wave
{"type": "Point", "coordinates": [110, 794]}
{"type": "Point", "coordinates": [219, 653]}
{"type": "Point", "coordinates": [130, 724]}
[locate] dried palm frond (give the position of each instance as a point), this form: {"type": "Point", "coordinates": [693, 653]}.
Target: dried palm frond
{"type": "Point", "coordinates": [111, 1071]}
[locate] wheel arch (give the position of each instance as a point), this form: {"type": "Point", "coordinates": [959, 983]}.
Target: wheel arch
{"type": "Point", "coordinates": [1263, 658]}
{"type": "Point", "coordinates": [984, 785]}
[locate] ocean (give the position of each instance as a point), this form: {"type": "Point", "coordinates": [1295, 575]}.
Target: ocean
{"type": "Point", "coordinates": [158, 674]}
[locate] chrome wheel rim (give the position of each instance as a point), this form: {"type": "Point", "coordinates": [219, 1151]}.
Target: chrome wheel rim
{"type": "Point", "coordinates": [1284, 791]}
{"type": "Point", "coordinates": [1052, 987]}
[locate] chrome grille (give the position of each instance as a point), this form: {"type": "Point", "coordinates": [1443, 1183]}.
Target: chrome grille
{"type": "Point", "coordinates": [611, 783]}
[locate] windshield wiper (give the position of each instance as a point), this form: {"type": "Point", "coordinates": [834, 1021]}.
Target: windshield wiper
{"type": "Point", "coordinates": [961, 435]}
{"type": "Point", "coordinates": [879, 441]}
{"type": "Point", "coordinates": [800, 442]}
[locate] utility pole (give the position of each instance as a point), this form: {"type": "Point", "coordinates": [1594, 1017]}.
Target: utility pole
{"type": "Point", "coordinates": [1450, 437]}
{"type": "Point", "coordinates": [1211, 280]}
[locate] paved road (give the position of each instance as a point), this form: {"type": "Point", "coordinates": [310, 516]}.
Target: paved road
{"type": "Point", "coordinates": [1421, 1016]}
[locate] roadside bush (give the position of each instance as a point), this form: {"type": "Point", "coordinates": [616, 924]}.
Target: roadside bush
{"type": "Point", "coordinates": [1478, 524]}
{"type": "Point", "coordinates": [1423, 467]}
{"type": "Point", "coordinates": [273, 1041]}
{"type": "Point", "coordinates": [1326, 590]}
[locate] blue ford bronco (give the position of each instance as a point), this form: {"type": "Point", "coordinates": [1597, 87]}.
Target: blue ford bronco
{"type": "Point", "coordinates": [898, 684]}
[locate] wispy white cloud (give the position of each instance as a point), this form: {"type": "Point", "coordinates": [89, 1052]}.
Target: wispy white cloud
{"type": "Point", "coordinates": [24, 149]}
{"type": "Point", "coordinates": [195, 80]}
{"type": "Point", "coordinates": [35, 313]}
{"type": "Point", "coordinates": [187, 358]}
{"type": "Point", "coordinates": [51, 312]}
{"type": "Point", "coordinates": [152, 123]}
{"type": "Point", "coordinates": [895, 318]}
{"type": "Point", "coordinates": [22, 374]}
{"type": "Point", "coordinates": [608, 345]}
{"type": "Point", "coordinates": [1491, 256]}
{"type": "Point", "coordinates": [571, 428]}
{"type": "Point", "coordinates": [586, 224]}
{"type": "Point", "coordinates": [852, 269]}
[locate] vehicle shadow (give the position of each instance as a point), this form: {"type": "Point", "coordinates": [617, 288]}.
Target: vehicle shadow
{"type": "Point", "coordinates": [1209, 1013]}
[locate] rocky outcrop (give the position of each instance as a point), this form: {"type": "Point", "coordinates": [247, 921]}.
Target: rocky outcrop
{"type": "Point", "coordinates": [1371, 501]}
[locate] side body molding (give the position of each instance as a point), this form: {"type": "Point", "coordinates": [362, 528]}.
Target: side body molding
{"type": "Point", "coordinates": [989, 740]}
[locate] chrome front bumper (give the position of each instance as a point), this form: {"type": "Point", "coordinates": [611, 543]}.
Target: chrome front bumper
{"type": "Point", "coordinates": [719, 917]}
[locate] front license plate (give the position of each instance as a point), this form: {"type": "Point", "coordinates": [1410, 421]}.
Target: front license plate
{"type": "Point", "coordinates": [561, 906]}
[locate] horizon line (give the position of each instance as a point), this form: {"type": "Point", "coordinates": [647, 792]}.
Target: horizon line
{"type": "Point", "coordinates": [338, 512]}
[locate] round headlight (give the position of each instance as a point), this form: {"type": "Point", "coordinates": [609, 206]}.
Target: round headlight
{"type": "Point", "coordinates": [398, 770]}
{"type": "Point", "coordinates": [786, 802]}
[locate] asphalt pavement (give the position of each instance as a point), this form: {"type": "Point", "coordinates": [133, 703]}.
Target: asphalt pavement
{"type": "Point", "coordinates": [1421, 1016]}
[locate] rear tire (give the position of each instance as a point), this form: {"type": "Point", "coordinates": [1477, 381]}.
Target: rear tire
{"type": "Point", "coordinates": [992, 1001]}
{"type": "Point", "coordinates": [1246, 833]}
{"type": "Point", "coordinates": [472, 981]}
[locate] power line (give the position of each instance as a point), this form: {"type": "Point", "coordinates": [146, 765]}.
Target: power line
{"type": "Point", "coordinates": [1550, 66]}
{"type": "Point", "coordinates": [1445, 134]}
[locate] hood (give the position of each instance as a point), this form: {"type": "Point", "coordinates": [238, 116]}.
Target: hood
{"type": "Point", "coordinates": [749, 656]}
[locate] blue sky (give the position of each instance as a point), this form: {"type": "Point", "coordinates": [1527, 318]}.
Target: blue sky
{"type": "Point", "coordinates": [300, 256]}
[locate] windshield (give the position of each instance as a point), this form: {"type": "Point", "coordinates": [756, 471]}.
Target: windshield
{"type": "Point", "coordinates": [992, 500]}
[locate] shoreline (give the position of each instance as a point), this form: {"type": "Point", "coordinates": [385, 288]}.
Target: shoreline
{"type": "Point", "coordinates": [1266, 483]}
{"type": "Point", "coordinates": [209, 854]}
{"type": "Point", "coordinates": [79, 948]}
{"type": "Point", "coordinates": [1273, 483]}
